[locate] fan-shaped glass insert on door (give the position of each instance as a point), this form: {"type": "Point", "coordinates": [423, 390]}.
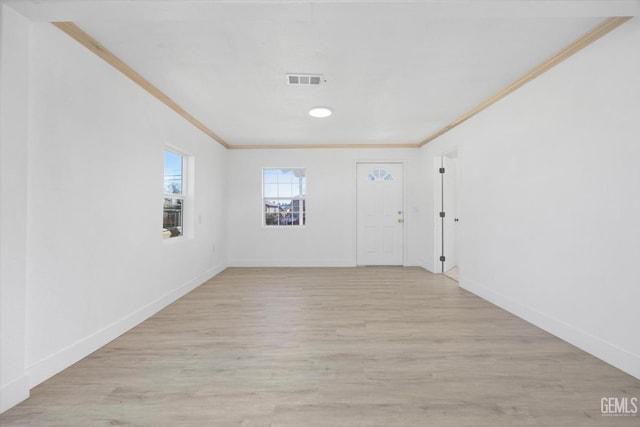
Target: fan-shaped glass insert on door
{"type": "Point", "coordinates": [379, 174]}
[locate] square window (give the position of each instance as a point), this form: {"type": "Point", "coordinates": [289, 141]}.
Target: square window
{"type": "Point", "coordinates": [284, 192]}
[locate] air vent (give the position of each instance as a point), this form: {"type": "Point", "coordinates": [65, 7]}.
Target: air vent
{"type": "Point", "coordinates": [304, 79]}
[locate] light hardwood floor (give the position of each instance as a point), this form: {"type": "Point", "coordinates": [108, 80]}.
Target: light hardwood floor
{"type": "Point", "coordinates": [330, 347]}
{"type": "Point", "coordinates": [453, 274]}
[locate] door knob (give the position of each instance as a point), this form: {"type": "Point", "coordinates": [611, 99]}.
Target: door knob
{"type": "Point", "coordinates": [400, 220]}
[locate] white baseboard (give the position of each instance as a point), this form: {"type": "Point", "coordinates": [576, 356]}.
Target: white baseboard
{"type": "Point", "coordinates": [424, 267]}
{"type": "Point", "coordinates": [48, 367]}
{"type": "Point", "coordinates": [596, 346]}
{"type": "Point", "coordinates": [14, 392]}
{"type": "Point", "coordinates": [291, 263]}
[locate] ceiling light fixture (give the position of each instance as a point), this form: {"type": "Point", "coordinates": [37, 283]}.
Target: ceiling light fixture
{"type": "Point", "coordinates": [320, 112]}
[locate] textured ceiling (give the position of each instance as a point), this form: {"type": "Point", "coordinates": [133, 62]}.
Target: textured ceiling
{"type": "Point", "coordinates": [395, 72]}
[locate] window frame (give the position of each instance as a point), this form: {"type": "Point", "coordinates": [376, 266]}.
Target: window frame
{"type": "Point", "coordinates": [302, 220]}
{"type": "Point", "coordinates": [182, 196]}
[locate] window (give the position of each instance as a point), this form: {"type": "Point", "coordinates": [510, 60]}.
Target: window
{"type": "Point", "coordinates": [379, 175]}
{"type": "Point", "coordinates": [284, 193]}
{"type": "Point", "coordinates": [174, 194]}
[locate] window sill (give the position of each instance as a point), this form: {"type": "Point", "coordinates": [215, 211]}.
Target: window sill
{"type": "Point", "coordinates": [173, 240]}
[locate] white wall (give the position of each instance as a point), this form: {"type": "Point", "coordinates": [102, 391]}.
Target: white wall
{"type": "Point", "coordinates": [96, 261]}
{"type": "Point", "coordinates": [549, 192]}
{"type": "Point", "coordinates": [328, 239]}
{"type": "Point", "coordinates": [14, 62]}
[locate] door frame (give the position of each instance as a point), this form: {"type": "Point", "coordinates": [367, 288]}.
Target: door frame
{"type": "Point", "coordinates": [437, 205]}
{"type": "Point", "coordinates": [355, 205]}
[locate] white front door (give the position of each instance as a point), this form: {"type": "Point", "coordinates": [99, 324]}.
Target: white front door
{"type": "Point", "coordinates": [380, 214]}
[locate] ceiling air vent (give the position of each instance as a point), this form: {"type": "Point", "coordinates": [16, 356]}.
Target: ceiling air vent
{"type": "Point", "coordinates": [304, 79]}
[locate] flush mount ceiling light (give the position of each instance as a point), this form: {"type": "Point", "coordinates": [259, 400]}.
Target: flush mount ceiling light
{"type": "Point", "coordinates": [320, 112]}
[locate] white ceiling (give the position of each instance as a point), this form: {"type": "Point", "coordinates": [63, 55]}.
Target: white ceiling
{"type": "Point", "coordinates": [395, 71]}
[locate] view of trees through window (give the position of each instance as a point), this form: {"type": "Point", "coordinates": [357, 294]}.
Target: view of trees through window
{"type": "Point", "coordinates": [284, 196]}
{"type": "Point", "coordinates": [173, 194]}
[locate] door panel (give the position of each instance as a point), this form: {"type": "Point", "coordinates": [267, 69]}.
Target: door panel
{"type": "Point", "coordinates": [380, 219]}
{"type": "Point", "coordinates": [450, 207]}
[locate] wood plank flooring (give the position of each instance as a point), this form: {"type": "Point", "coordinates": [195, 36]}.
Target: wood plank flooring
{"type": "Point", "coordinates": [330, 347]}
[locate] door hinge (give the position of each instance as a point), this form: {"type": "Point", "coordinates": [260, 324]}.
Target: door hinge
{"type": "Point", "coordinates": [441, 170]}
{"type": "Point", "coordinates": [442, 258]}
{"type": "Point", "coordinates": [441, 214]}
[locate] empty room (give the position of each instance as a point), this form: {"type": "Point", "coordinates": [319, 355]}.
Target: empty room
{"type": "Point", "coordinates": [319, 213]}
